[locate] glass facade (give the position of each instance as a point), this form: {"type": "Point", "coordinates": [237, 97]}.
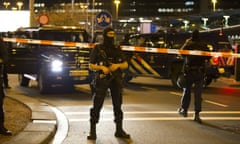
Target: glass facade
{"type": "Point", "coordinates": [156, 8]}
{"type": "Point", "coordinates": [138, 8]}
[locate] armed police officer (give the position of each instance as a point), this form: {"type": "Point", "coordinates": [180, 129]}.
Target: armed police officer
{"type": "Point", "coordinates": [194, 70]}
{"type": "Point", "coordinates": [108, 62]}
{"type": "Point", "coordinates": [3, 59]}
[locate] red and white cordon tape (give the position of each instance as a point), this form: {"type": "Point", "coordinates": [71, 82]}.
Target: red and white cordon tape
{"type": "Point", "coordinates": [49, 42]}
{"type": "Point", "coordinates": [178, 51]}
{"type": "Point", "coordinates": [124, 48]}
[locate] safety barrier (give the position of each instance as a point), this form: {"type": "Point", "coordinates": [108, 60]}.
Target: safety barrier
{"type": "Point", "coordinates": [124, 48]}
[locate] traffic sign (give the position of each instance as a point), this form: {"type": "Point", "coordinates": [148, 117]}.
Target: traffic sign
{"type": "Point", "coordinates": [43, 19]}
{"type": "Point", "coordinates": [103, 19]}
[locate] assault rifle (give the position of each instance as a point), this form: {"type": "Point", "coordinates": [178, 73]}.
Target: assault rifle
{"type": "Point", "coordinates": [100, 74]}
{"type": "Point", "coordinates": [111, 75]}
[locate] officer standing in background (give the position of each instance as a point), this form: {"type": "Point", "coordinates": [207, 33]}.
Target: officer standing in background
{"type": "Point", "coordinates": [194, 70]}
{"type": "Point", "coordinates": [5, 73]}
{"type": "Point", "coordinates": [5, 78]}
{"type": "Point", "coordinates": [3, 58]}
{"type": "Point", "coordinates": [108, 62]}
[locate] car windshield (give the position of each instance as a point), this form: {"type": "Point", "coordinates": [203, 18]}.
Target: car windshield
{"type": "Point", "coordinates": [62, 36]}
{"type": "Point", "coordinates": [156, 41]}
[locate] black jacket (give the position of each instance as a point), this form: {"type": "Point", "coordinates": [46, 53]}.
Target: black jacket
{"type": "Point", "coordinates": [3, 51]}
{"type": "Point", "coordinates": [195, 60]}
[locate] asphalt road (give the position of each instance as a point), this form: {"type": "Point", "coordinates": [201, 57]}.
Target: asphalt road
{"type": "Point", "coordinates": [151, 117]}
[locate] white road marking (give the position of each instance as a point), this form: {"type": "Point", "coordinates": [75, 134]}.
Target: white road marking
{"type": "Point", "coordinates": [45, 121]}
{"type": "Point", "coordinates": [62, 127]}
{"type": "Point", "coordinates": [207, 101]}
{"type": "Point", "coordinates": [215, 103]}
{"type": "Point", "coordinates": [156, 112]}
{"type": "Point", "coordinates": [175, 93]}
{"type": "Point", "coordinates": [157, 117]}
{"type": "Point", "coordinates": [149, 88]}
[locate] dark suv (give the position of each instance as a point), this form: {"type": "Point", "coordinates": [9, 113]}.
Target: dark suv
{"type": "Point", "coordinates": [164, 65]}
{"type": "Point", "coordinates": [49, 56]}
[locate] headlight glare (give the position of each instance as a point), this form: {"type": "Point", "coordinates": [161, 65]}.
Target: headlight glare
{"type": "Point", "coordinates": [56, 65]}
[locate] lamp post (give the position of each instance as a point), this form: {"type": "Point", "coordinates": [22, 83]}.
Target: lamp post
{"type": "Point", "coordinates": [93, 18]}
{"type": "Point", "coordinates": [214, 4]}
{"type": "Point", "coordinates": [87, 15]}
{"type": "Point", "coordinates": [186, 22]}
{"type": "Point", "coordinates": [84, 7]}
{"type": "Point", "coordinates": [226, 18]}
{"type": "Point", "coordinates": [72, 4]}
{"type": "Point", "coordinates": [117, 2]}
{"type": "Point", "coordinates": [19, 4]}
{"type": "Point", "coordinates": [6, 4]}
{"type": "Point", "coordinates": [205, 22]}
{"type": "Point", "coordinates": [31, 8]}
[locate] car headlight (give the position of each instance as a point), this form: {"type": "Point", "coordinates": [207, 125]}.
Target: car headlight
{"type": "Point", "coordinates": [56, 65]}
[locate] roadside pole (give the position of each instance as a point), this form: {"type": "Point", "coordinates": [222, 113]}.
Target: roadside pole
{"type": "Point", "coordinates": [31, 9]}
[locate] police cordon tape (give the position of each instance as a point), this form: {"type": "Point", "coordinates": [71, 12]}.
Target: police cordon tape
{"type": "Point", "coordinates": [49, 42]}
{"type": "Point", "coordinates": [178, 51]}
{"type": "Point", "coordinates": [123, 47]}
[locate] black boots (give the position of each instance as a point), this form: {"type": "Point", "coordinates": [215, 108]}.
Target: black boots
{"type": "Point", "coordinates": [197, 118]}
{"type": "Point", "coordinates": [92, 134]}
{"type": "Point", "coordinates": [120, 133]}
{"type": "Point", "coordinates": [4, 131]}
{"type": "Point", "coordinates": [182, 112]}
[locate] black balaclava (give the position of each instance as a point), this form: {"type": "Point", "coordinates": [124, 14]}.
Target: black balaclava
{"type": "Point", "coordinates": [108, 37]}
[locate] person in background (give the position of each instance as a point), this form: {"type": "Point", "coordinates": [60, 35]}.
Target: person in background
{"type": "Point", "coordinates": [108, 62]}
{"type": "Point", "coordinates": [194, 70]}
{"type": "Point", "coordinates": [3, 59]}
{"type": "Point", "coordinates": [141, 42]}
{"type": "Point", "coordinates": [5, 78]}
{"type": "Point", "coordinates": [5, 73]}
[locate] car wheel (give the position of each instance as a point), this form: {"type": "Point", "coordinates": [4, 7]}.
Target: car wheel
{"type": "Point", "coordinates": [43, 83]}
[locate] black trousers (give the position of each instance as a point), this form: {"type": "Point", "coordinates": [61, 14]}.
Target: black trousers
{"type": "Point", "coordinates": [2, 95]}
{"type": "Point", "coordinates": [102, 85]}
{"type": "Point", "coordinates": [196, 78]}
{"type": "Point", "coordinates": [5, 76]}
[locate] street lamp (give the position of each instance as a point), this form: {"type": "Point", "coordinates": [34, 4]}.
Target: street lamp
{"type": "Point", "coordinates": [205, 22]}
{"type": "Point", "coordinates": [186, 22]}
{"type": "Point", "coordinates": [117, 2]}
{"type": "Point", "coordinates": [214, 4]}
{"type": "Point", "coordinates": [6, 4]}
{"type": "Point", "coordinates": [226, 18]}
{"type": "Point", "coordinates": [93, 18]}
{"type": "Point", "coordinates": [19, 4]}
{"type": "Point", "coordinates": [31, 9]}
{"type": "Point", "coordinates": [84, 7]}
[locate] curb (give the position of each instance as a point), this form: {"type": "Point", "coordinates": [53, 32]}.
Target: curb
{"type": "Point", "coordinates": [42, 127]}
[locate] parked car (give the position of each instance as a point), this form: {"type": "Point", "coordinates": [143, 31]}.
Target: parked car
{"type": "Point", "coordinates": [46, 55]}
{"type": "Point", "coordinates": [165, 65]}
